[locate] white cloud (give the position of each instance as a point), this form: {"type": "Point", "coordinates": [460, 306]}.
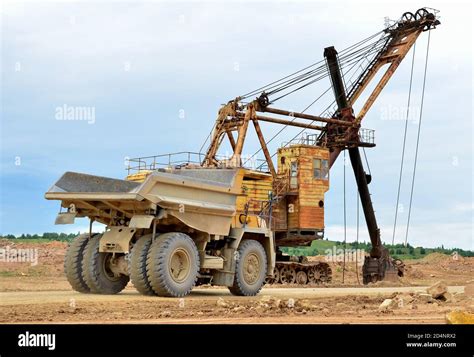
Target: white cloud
{"type": "Point", "coordinates": [464, 207]}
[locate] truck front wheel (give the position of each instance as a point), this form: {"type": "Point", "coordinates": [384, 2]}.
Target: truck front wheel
{"type": "Point", "coordinates": [250, 269]}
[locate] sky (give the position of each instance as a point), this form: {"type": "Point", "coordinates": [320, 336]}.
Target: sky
{"type": "Point", "coordinates": [154, 74]}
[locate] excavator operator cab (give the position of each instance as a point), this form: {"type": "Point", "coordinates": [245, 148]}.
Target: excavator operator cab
{"type": "Point", "coordinates": [303, 175]}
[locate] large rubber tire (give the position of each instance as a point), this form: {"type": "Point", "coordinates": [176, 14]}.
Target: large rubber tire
{"type": "Point", "coordinates": [94, 271]}
{"type": "Point", "coordinates": [167, 252]}
{"type": "Point", "coordinates": [137, 266]}
{"type": "Point", "coordinates": [73, 263]}
{"type": "Point", "coordinates": [250, 269]}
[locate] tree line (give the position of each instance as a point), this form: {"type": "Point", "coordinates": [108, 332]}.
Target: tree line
{"type": "Point", "coordinates": [401, 251]}
{"type": "Point", "coordinates": [45, 236]}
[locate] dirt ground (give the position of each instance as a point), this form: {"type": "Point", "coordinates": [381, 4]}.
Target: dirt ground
{"type": "Point", "coordinates": [40, 294]}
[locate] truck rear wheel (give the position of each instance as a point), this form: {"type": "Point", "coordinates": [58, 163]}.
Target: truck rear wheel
{"type": "Point", "coordinates": [173, 264]}
{"type": "Point", "coordinates": [97, 272]}
{"type": "Point", "coordinates": [73, 263]}
{"type": "Point", "coordinates": [250, 269]}
{"type": "Point", "coordinates": [137, 267]}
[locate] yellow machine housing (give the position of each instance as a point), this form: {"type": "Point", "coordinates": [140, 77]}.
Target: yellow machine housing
{"type": "Point", "coordinates": [292, 204]}
{"type": "Point", "coordinates": [302, 181]}
{"type": "Point", "coordinates": [306, 170]}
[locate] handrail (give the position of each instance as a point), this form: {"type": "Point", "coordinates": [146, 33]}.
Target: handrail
{"type": "Point", "coordinates": [178, 159]}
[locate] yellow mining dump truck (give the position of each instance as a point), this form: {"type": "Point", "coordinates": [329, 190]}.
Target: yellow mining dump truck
{"type": "Point", "coordinates": [212, 219]}
{"type": "Point", "coordinates": [171, 228]}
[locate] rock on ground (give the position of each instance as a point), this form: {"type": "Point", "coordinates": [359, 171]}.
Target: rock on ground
{"type": "Point", "coordinates": [388, 304]}
{"type": "Point", "coordinates": [221, 303]}
{"type": "Point", "coordinates": [437, 290]}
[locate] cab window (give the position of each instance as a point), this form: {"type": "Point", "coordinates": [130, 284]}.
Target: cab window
{"type": "Point", "coordinates": [294, 175]}
{"type": "Point", "coordinates": [320, 169]}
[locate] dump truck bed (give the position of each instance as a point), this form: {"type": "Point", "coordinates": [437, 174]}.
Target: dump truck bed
{"type": "Point", "coordinates": [201, 198]}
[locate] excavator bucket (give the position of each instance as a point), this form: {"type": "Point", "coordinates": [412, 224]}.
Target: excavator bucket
{"type": "Point", "coordinates": [378, 269]}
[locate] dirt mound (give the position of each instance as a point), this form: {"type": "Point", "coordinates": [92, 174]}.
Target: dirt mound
{"type": "Point", "coordinates": [412, 272]}
{"type": "Point", "coordinates": [317, 258]}
{"type": "Point", "coordinates": [447, 262]}
{"type": "Point", "coordinates": [455, 269]}
{"type": "Point", "coordinates": [32, 258]}
{"type": "Point", "coordinates": [33, 244]}
{"type": "Point", "coordinates": [437, 258]}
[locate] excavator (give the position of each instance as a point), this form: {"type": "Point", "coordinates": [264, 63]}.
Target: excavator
{"type": "Point", "coordinates": [176, 222]}
{"type": "Point", "coordinates": [341, 130]}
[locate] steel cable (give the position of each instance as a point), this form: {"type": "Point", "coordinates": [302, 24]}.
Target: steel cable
{"type": "Point", "coordinates": [418, 136]}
